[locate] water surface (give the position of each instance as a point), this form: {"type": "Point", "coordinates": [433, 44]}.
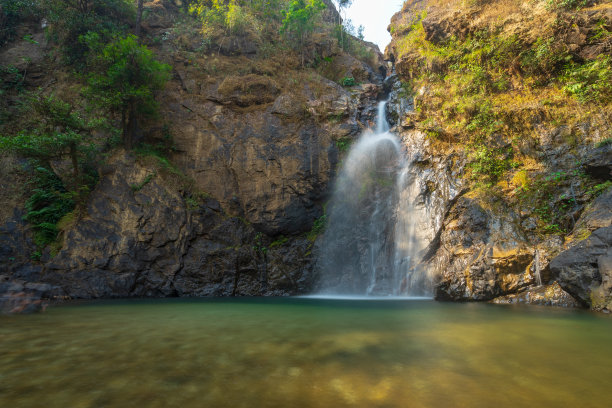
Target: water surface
{"type": "Point", "coordinates": [304, 353]}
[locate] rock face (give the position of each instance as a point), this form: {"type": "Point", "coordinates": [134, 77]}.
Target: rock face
{"type": "Point", "coordinates": [496, 235]}
{"type": "Point", "coordinates": [585, 269]}
{"type": "Point", "coordinates": [266, 154]}
{"type": "Point", "coordinates": [257, 135]}
{"type": "Point", "coordinates": [140, 237]}
{"type": "Point", "coordinates": [481, 255]}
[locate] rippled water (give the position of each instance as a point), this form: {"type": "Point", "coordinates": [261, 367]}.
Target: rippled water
{"type": "Point", "coordinates": [304, 353]}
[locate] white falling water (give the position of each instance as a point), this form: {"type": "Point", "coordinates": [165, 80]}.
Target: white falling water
{"type": "Point", "coordinates": [372, 243]}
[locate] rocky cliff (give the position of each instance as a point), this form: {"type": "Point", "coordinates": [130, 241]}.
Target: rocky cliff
{"type": "Point", "coordinates": [503, 108]}
{"type": "Point", "coordinates": [487, 94]}
{"type": "Point", "coordinates": [254, 139]}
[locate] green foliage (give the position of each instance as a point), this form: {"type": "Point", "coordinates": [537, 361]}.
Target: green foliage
{"type": "Point", "coordinates": [259, 246]}
{"type": "Point", "coordinates": [348, 81]}
{"type": "Point", "coordinates": [12, 12]}
{"type": "Point", "coordinates": [58, 133]}
{"type": "Point", "coordinates": [138, 186]}
{"type": "Point", "coordinates": [550, 198]}
{"type": "Point", "coordinates": [10, 79]}
{"type": "Point", "coordinates": [279, 242]}
{"type": "Point", "coordinates": [159, 153]}
{"type": "Point", "coordinates": [601, 32]}
{"type": "Point", "coordinates": [343, 144]}
{"type": "Point", "coordinates": [598, 189]}
{"type": "Point", "coordinates": [70, 22]}
{"type": "Point", "coordinates": [544, 58]}
{"type": "Point", "coordinates": [590, 82]}
{"type": "Point", "coordinates": [490, 164]}
{"type": "Point", "coordinates": [49, 203]}
{"type": "Point", "coordinates": [237, 17]}
{"type": "Point", "coordinates": [567, 4]}
{"type": "Point", "coordinates": [317, 228]}
{"type": "Point", "coordinates": [299, 22]}
{"type": "Point", "coordinates": [124, 79]}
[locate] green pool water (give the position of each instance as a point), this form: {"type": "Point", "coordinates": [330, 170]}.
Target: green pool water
{"type": "Point", "coordinates": [304, 353]}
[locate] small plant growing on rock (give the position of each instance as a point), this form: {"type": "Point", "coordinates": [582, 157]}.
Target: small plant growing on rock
{"type": "Point", "coordinates": [348, 81]}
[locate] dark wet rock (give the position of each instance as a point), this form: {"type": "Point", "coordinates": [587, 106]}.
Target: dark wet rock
{"type": "Point", "coordinates": [585, 270]}
{"type": "Point", "coordinates": [597, 214]}
{"type": "Point", "coordinates": [548, 295]}
{"type": "Point", "coordinates": [17, 296]}
{"type": "Point", "coordinates": [17, 248]}
{"type": "Point", "coordinates": [598, 162]}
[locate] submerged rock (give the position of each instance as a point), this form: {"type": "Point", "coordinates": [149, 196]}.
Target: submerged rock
{"type": "Point", "coordinates": [549, 295]}
{"type": "Point", "coordinates": [17, 296]}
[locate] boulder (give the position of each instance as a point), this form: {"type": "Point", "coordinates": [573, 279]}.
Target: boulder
{"type": "Point", "coordinates": [585, 270]}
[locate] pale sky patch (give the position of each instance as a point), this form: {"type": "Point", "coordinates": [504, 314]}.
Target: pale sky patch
{"type": "Point", "coordinates": [375, 16]}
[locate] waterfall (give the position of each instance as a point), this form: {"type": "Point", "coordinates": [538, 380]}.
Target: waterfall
{"type": "Point", "coordinates": [372, 242]}
{"type": "Point", "coordinates": [537, 268]}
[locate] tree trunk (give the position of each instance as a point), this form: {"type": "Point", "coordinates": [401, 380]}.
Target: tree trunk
{"type": "Point", "coordinates": [75, 161]}
{"type": "Point", "coordinates": [132, 127]}
{"type": "Point", "coordinates": [139, 19]}
{"type": "Point", "coordinates": [124, 127]}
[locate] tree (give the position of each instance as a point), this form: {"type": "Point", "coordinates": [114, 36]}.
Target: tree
{"type": "Point", "coordinates": [71, 20]}
{"type": "Point", "coordinates": [299, 21]}
{"type": "Point", "coordinates": [342, 6]}
{"type": "Point", "coordinates": [59, 134]}
{"type": "Point", "coordinates": [124, 79]}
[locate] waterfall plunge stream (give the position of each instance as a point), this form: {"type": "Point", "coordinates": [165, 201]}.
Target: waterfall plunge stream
{"type": "Point", "coordinates": [372, 244]}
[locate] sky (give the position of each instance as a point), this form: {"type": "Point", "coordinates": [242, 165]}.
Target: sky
{"type": "Point", "coordinates": [375, 16]}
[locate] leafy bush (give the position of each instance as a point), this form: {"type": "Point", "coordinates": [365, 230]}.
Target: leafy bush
{"type": "Point", "coordinates": [232, 17]}
{"type": "Point", "coordinates": [544, 58]}
{"type": "Point", "coordinates": [590, 82]}
{"type": "Point", "coordinates": [49, 203]}
{"type": "Point", "coordinates": [348, 81]}
{"type": "Point", "coordinates": [489, 163]}
{"type": "Point", "coordinates": [70, 22]}
{"type": "Point", "coordinates": [10, 78]}
{"type": "Point", "coordinates": [567, 4]}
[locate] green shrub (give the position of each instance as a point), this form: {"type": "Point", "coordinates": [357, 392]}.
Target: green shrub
{"type": "Point", "coordinates": [318, 227]}
{"type": "Point", "coordinates": [70, 22]}
{"type": "Point", "coordinates": [590, 82]}
{"type": "Point", "coordinates": [48, 204]}
{"type": "Point", "coordinates": [10, 79]}
{"type": "Point", "coordinates": [343, 144]}
{"type": "Point", "coordinates": [567, 4]}
{"type": "Point", "coordinates": [490, 164]}
{"type": "Point", "coordinates": [348, 81]}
